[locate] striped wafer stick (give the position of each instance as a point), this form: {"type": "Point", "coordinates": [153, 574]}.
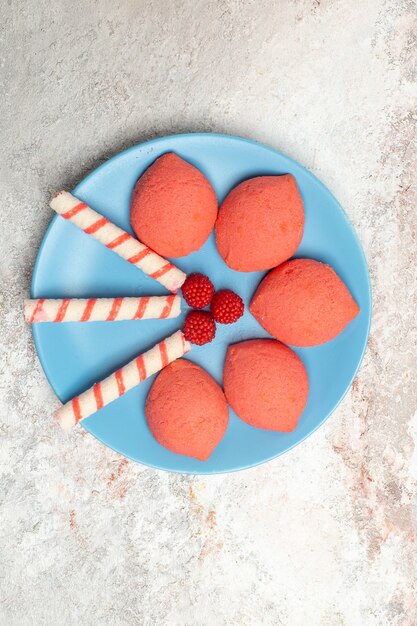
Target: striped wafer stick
{"type": "Point", "coordinates": [102, 309]}
{"type": "Point", "coordinates": [127, 377]}
{"type": "Point", "coordinates": [118, 240]}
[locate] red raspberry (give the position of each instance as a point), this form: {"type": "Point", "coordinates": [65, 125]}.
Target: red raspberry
{"type": "Point", "coordinates": [199, 327]}
{"type": "Point", "coordinates": [197, 290]}
{"type": "Point", "coordinates": [227, 306]}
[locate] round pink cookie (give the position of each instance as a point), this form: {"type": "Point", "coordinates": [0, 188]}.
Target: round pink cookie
{"type": "Point", "coordinates": [266, 384]}
{"type": "Point", "coordinates": [303, 303]}
{"type": "Point", "coordinates": [260, 223]}
{"type": "Point", "coordinates": [186, 410]}
{"type": "Point", "coordinates": [173, 208]}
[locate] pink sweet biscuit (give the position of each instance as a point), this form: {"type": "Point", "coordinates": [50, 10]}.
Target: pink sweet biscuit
{"type": "Point", "coordinates": [186, 410]}
{"type": "Point", "coordinates": [266, 384]}
{"type": "Point", "coordinates": [174, 207]}
{"type": "Point", "coordinates": [260, 223]}
{"type": "Point", "coordinates": [303, 303]}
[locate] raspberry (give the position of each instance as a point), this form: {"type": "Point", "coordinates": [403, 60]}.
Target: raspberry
{"type": "Point", "coordinates": [199, 327]}
{"type": "Point", "coordinates": [197, 290]}
{"type": "Point", "coordinates": [226, 306]}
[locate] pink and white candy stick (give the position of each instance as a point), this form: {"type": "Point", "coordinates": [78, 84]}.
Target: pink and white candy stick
{"type": "Point", "coordinates": [102, 309]}
{"type": "Point", "coordinates": [127, 377]}
{"type": "Point", "coordinates": [118, 240]}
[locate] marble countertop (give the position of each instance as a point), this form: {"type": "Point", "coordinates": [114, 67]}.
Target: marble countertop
{"type": "Point", "coordinates": [324, 535]}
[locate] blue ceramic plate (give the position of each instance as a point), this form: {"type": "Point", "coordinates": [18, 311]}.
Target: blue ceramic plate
{"type": "Point", "coordinates": [71, 264]}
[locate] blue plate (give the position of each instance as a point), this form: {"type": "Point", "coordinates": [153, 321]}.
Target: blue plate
{"type": "Point", "coordinates": [71, 264]}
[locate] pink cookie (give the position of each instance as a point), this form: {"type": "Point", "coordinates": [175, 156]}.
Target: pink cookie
{"type": "Point", "coordinates": [303, 303]}
{"type": "Point", "coordinates": [260, 223]}
{"type": "Point", "coordinates": [173, 208]}
{"type": "Point", "coordinates": [186, 410]}
{"type": "Point", "coordinates": [266, 384]}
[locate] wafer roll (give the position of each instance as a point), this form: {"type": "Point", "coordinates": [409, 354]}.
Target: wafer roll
{"type": "Point", "coordinates": [102, 309]}
{"type": "Point", "coordinates": [118, 240]}
{"type": "Point", "coordinates": [127, 377]}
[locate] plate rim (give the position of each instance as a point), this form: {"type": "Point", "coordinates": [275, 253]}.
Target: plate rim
{"type": "Point", "coordinates": [305, 171]}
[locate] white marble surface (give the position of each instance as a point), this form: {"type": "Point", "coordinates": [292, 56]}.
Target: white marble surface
{"type": "Point", "coordinates": [326, 534]}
